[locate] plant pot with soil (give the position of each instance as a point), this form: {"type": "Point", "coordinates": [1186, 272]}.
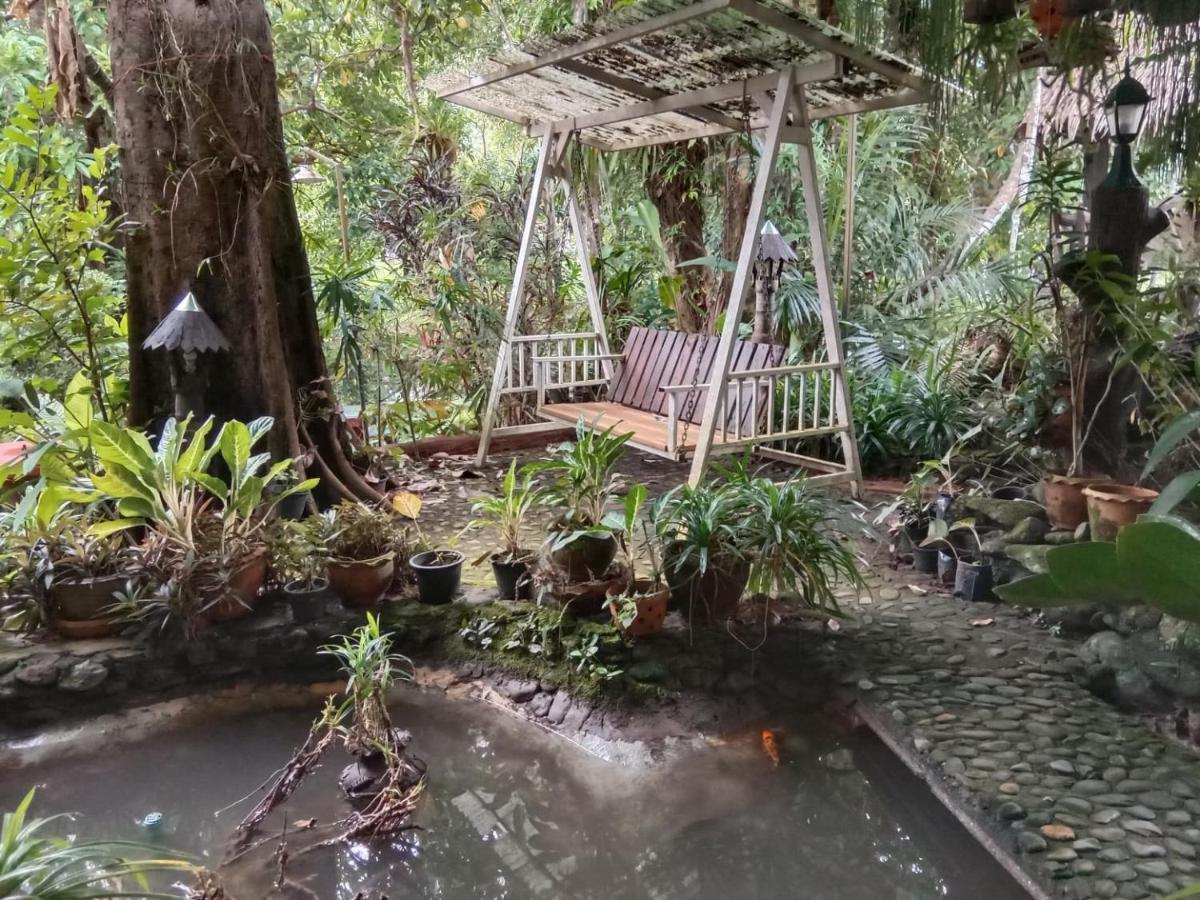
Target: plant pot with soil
{"type": "Point", "coordinates": [298, 564]}
{"type": "Point", "coordinates": [1111, 505]}
{"type": "Point", "coordinates": [973, 579]}
{"type": "Point", "coordinates": [506, 513]}
{"type": "Point", "coordinates": [582, 485]}
{"type": "Point", "coordinates": [925, 560]}
{"type": "Point", "coordinates": [988, 12]}
{"type": "Point", "coordinates": [439, 575]}
{"type": "Point", "coordinates": [641, 607]}
{"type": "Point", "coordinates": [361, 542]}
{"type": "Point", "coordinates": [78, 578]}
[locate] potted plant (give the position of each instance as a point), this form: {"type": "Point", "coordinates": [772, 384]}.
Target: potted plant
{"type": "Point", "coordinates": [641, 608]}
{"type": "Point", "coordinates": [361, 543]}
{"type": "Point", "coordinates": [797, 547]}
{"type": "Point", "coordinates": [704, 556]}
{"type": "Point", "coordinates": [582, 485]}
{"type": "Point", "coordinates": [438, 572]}
{"type": "Point", "coordinates": [298, 561]}
{"type": "Point", "coordinates": [506, 513]}
{"type": "Point", "coordinates": [907, 517]}
{"type": "Point", "coordinates": [293, 503]}
{"type": "Point", "coordinates": [968, 571]}
{"type": "Point", "coordinates": [77, 575]}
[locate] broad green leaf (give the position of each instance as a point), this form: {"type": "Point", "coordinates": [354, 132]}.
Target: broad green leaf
{"type": "Point", "coordinates": [124, 447]}
{"type": "Point", "coordinates": [1171, 436]}
{"type": "Point", "coordinates": [235, 445]}
{"type": "Point", "coordinates": [118, 483]}
{"type": "Point", "coordinates": [1090, 569]}
{"type": "Point", "coordinates": [1037, 592]}
{"type": "Point", "coordinates": [1163, 566]}
{"type": "Point", "coordinates": [213, 485]}
{"type": "Point", "coordinates": [1180, 488]}
{"type": "Point", "coordinates": [191, 459]}
{"type": "Point", "coordinates": [77, 403]}
{"type": "Point", "coordinates": [112, 526]}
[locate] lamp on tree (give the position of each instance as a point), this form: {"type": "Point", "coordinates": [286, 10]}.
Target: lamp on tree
{"type": "Point", "coordinates": [773, 254]}
{"type": "Point", "coordinates": [186, 332]}
{"type": "Point", "coordinates": [1122, 221]}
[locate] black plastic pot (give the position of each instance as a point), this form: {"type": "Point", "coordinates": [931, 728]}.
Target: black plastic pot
{"type": "Point", "coordinates": [1010, 492]}
{"type": "Point", "coordinates": [439, 573]}
{"type": "Point", "coordinates": [988, 12]}
{"type": "Point", "coordinates": [293, 506]}
{"type": "Point", "coordinates": [586, 558]}
{"type": "Point", "coordinates": [973, 580]}
{"type": "Point", "coordinates": [512, 578]}
{"type": "Point", "coordinates": [942, 506]}
{"type": "Point", "coordinates": [307, 602]}
{"type": "Point", "coordinates": [925, 560]}
{"type": "Point", "coordinates": [947, 563]}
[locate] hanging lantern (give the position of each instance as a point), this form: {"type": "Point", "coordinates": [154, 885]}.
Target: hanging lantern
{"type": "Point", "coordinates": [186, 332]}
{"type": "Point", "coordinates": [1125, 108]}
{"type": "Point", "coordinates": [989, 12]}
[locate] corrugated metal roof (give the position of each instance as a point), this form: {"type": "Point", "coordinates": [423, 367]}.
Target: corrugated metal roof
{"type": "Point", "coordinates": [661, 48]}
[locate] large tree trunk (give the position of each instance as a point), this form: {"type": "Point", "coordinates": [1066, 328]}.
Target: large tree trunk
{"type": "Point", "coordinates": [206, 181]}
{"type": "Point", "coordinates": [676, 196]}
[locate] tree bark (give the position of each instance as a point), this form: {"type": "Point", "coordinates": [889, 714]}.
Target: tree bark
{"type": "Point", "coordinates": [676, 195]}
{"type": "Point", "coordinates": [206, 181]}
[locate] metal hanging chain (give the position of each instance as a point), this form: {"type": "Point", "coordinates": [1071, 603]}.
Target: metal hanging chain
{"type": "Point", "coordinates": [694, 395]}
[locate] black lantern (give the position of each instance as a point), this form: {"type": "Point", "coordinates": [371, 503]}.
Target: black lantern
{"type": "Point", "coordinates": [773, 254]}
{"type": "Point", "coordinates": [1126, 109]}
{"type": "Point", "coordinates": [186, 332]}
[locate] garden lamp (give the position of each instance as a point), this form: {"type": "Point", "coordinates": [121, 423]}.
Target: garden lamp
{"type": "Point", "coordinates": [306, 175]}
{"type": "Point", "coordinates": [186, 332]}
{"type": "Point", "coordinates": [773, 254]}
{"type": "Point", "coordinates": [1126, 108]}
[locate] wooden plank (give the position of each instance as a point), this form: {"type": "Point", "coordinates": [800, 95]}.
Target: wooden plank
{"type": "Point", "coordinates": [582, 48]}
{"type": "Point", "coordinates": [691, 405]}
{"type": "Point", "coordinates": [625, 372]}
{"type": "Point", "coordinates": [665, 361]}
{"type": "Point", "coordinates": [648, 430]}
{"type": "Point", "coordinates": [652, 372]}
{"type": "Point", "coordinates": [641, 366]}
{"type": "Point", "coordinates": [674, 372]}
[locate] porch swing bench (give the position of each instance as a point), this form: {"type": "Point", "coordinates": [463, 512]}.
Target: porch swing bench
{"type": "Point", "coordinates": [656, 393]}
{"type": "Point", "coordinates": [663, 71]}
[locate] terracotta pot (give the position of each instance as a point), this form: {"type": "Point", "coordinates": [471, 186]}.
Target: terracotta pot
{"type": "Point", "coordinates": [1112, 505]}
{"type": "Point", "coordinates": [1066, 507]}
{"type": "Point", "coordinates": [586, 558]}
{"type": "Point", "coordinates": [651, 608]}
{"type": "Point", "coordinates": [361, 585]}
{"type": "Point", "coordinates": [242, 589]}
{"type": "Point", "coordinates": [85, 629]}
{"type": "Point", "coordinates": [711, 598]}
{"type": "Point", "coordinates": [84, 599]}
{"type": "Point", "coordinates": [1047, 16]}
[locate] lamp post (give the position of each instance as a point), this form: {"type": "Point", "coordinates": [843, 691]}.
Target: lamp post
{"type": "Point", "coordinates": [305, 174]}
{"type": "Point", "coordinates": [186, 332]}
{"type": "Point", "coordinates": [773, 254]}
{"type": "Point", "coordinates": [1122, 220]}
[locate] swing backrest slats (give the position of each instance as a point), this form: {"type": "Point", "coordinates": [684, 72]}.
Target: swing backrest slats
{"type": "Point", "coordinates": [655, 358]}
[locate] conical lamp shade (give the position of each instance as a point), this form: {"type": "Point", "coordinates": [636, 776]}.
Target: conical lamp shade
{"type": "Point", "coordinates": [187, 328]}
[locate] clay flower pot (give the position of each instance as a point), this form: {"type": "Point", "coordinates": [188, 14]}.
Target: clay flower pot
{"type": "Point", "coordinates": [84, 599]}
{"type": "Point", "coordinates": [711, 598]}
{"type": "Point", "coordinates": [1066, 507]}
{"type": "Point", "coordinates": [651, 599]}
{"type": "Point", "coordinates": [361, 585]}
{"type": "Point", "coordinates": [242, 590]}
{"type": "Point", "coordinates": [1112, 505]}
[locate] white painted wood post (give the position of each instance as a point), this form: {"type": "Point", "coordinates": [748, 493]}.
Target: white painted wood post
{"type": "Point", "coordinates": [742, 275]}
{"type": "Point", "coordinates": [579, 224]}
{"type": "Point", "coordinates": [829, 314]}
{"type": "Point", "coordinates": [515, 297]}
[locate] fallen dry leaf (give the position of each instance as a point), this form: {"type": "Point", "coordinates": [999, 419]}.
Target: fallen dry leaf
{"type": "Point", "coordinates": [981, 623]}
{"type": "Point", "coordinates": [407, 504]}
{"type": "Point", "coordinates": [305, 824]}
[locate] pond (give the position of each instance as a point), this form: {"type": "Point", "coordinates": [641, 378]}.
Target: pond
{"type": "Point", "coordinates": [513, 811]}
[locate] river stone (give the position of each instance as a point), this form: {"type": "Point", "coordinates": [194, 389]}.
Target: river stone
{"type": "Point", "coordinates": [1087, 845]}
{"type": "Point", "coordinates": [1062, 766]}
{"type": "Point", "coordinates": [1030, 842]}
{"type": "Point", "coordinates": [1110, 833]}
{"type": "Point", "coordinates": [1155, 867]}
{"type": "Point", "coordinates": [1058, 538]}
{"type": "Point", "coordinates": [540, 705]}
{"type": "Point", "coordinates": [1062, 854]}
{"type": "Point", "coordinates": [1104, 648]}
{"type": "Point", "coordinates": [1006, 513]}
{"type": "Point", "coordinates": [84, 675]}
{"type": "Point", "coordinates": [1147, 849]}
{"type": "Point", "coordinates": [1011, 811]}
{"type": "Point", "coordinates": [38, 671]}
{"type": "Point", "coordinates": [1105, 816]}
{"type": "Point", "coordinates": [1141, 827]}
{"type": "Point", "coordinates": [1082, 532]}
{"type": "Point", "coordinates": [1058, 832]}
{"type": "Point", "coordinates": [1121, 872]}
{"type": "Point", "coordinates": [1179, 848]}
{"type": "Point", "coordinates": [1031, 556]}
{"type": "Point", "coordinates": [558, 708]}
{"type": "Point", "coordinates": [840, 760]}
{"type": "Point", "coordinates": [1030, 530]}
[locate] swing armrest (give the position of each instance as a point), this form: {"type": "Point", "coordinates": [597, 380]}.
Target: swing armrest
{"type": "Point", "coordinates": [672, 389]}
{"type": "Point", "coordinates": [583, 357]}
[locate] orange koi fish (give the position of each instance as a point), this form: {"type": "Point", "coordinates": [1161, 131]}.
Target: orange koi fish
{"type": "Point", "coordinates": [770, 745]}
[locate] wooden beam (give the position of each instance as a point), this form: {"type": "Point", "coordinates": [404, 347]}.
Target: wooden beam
{"type": "Point", "coordinates": [582, 48]}
{"type": "Point", "coordinates": [814, 36]}
{"type": "Point", "coordinates": [742, 275]}
{"type": "Point", "coordinates": [848, 192]}
{"type": "Point", "coordinates": [874, 104]}
{"type": "Point", "coordinates": [515, 297]}
{"type": "Point", "coordinates": [829, 317]}
{"type": "Point", "coordinates": [580, 225]}
{"type": "Point", "coordinates": [685, 102]}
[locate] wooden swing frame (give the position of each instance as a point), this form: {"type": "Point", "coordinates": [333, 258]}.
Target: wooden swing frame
{"type": "Point", "coordinates": [565, 362]}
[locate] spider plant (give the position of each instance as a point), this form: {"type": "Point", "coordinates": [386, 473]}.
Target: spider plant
{"type": "Point", "coordinates": [794, 545]}
{"type": "Point", "coordinates": [371, 668]}
{"type": "Point", "coordinates": [37, 866]}
{"type": "Point", "coordinates": [582, 482]}
{"type": "Point", "coordinates": [506, 512]}
{"type": "Point", "coordinates": [698, 527]}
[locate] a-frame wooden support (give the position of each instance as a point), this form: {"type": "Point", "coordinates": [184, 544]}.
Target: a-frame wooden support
{"type": "Point", "coordinates": [789, 97]}
{"type": "Point", "coordinates": [550, 165]}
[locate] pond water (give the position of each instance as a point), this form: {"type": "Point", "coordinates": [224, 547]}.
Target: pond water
{"type": "Point", "coordinates": [512, 811]}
